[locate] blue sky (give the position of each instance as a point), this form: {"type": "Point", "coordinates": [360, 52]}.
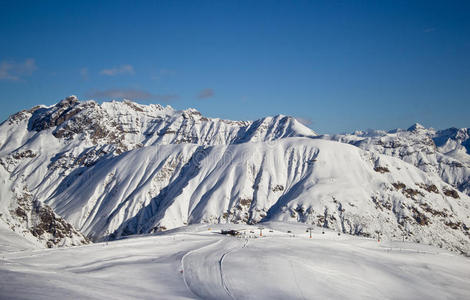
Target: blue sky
{"type": "Point", "coordinates": [338, 65]}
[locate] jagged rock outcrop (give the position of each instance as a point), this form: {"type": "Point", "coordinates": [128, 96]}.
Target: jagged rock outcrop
{"type": "Point", "coordinates": [37, 221]}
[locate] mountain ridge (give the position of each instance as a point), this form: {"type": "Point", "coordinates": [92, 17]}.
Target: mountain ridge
{"type": "Point", "coordinates": [443, 152]}
{"type": "Point", "coordinates": [121, 168]}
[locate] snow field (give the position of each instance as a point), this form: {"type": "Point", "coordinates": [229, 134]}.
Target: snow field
{"type": "Point", "coordinates": [198, 262]}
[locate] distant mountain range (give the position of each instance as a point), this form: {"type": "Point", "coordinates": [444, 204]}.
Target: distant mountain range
{"type": "Point", "coordinates": [79, 171]}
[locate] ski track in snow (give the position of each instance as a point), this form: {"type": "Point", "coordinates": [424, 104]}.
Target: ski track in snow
{"type": "Point", "coordinates": [224, 284]}
{"type": "Point", "coordinates": [208, 260]}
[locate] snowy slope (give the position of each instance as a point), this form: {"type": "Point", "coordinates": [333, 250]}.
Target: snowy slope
{"type": "Point", "coordinates": [317, 182]}
{"type": "Point", "coordinates": [11, 241]}
{"type": "Point", "coordinates": [121, 168]}
{"type": "Point", "coordinates": [445, 152]}
{"type": "Point", "coordinates": [23, 213]}
{"type": "Point", "coordinates": [199, 263]}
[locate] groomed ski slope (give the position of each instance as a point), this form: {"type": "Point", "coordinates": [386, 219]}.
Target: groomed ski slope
{"type": "Point", "coordinates": [198, 262]}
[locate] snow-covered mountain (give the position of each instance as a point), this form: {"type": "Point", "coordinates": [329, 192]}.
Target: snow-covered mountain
{"type": "Point", "coordinates": [445, 152]}
{"type": "Point", "coordinates": [121, 168]}
{"type": "Point", "coordinates": [43, 148]}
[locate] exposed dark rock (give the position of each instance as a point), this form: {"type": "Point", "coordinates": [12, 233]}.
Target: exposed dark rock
{"type": "Point", "coordinates": [21, 213]}
{"type": "Point", "coordinates": [278, 188]}
{"type": "Point", "coordinates": [63, 111]}
{"type": "Point", "coordinates": [24, 154]}
{"type": "Point", "coordinates": [381, 169]}
{"type": "Point", "coordinates": [451, 193]}
{"type": "Point", "coordinates": [43, 223]}
{"type": "Point", "coordinates": [399, 185]}
{"type": "Point", "coordinates": [245, 202]}
{"type": "Point", "coordinates": [434, 212]}
{"type": "Point", "coordinates": [409, 192]}
{"type": "Point", "coordinates": [453, 225]}
{"type": "Point", "coordinates": [429, 187]}
{"type": "Point", "coordinates": [420, 217]}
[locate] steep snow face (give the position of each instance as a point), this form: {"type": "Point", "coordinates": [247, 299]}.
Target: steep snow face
{"type": "Point", "coordinates": [324, 183]}
{"type": "Point", "coordinates": [445, 153]}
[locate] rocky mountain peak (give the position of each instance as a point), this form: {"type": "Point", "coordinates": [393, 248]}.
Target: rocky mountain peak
{"type": "Point", "coordinates": [416, 127]}
{"type": "Point", "coordinates": [68, 101]}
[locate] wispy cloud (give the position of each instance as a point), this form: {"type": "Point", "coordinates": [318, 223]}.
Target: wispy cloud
{"type": "Point", "coordinates": [11, 70]}
{"type": "Point", "coordinates": [206, 93]}
{"type": "Point", "coordinates": [305, 121]}
{"type": "Point", "coordinates": [120, 70]}
{"type": "Point", "coordinates": [131, 94]}
{"type": "Point", "coordinates": [430, 29]}
{"type": "Point", "coordinates": [84, 73]}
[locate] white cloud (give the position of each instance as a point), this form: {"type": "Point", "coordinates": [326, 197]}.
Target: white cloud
{"type": "Point", "coordinates": [305, 121]}
{"type": "Point", "coordinates": [11, 70]}
{"type": "Point", "coordinates": [120, 70]}
{"type": "Point", "coordinates": [206, 93]}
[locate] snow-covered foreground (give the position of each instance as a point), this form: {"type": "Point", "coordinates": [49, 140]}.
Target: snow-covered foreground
{"type": "Point", "coordinates": [198, 262]}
